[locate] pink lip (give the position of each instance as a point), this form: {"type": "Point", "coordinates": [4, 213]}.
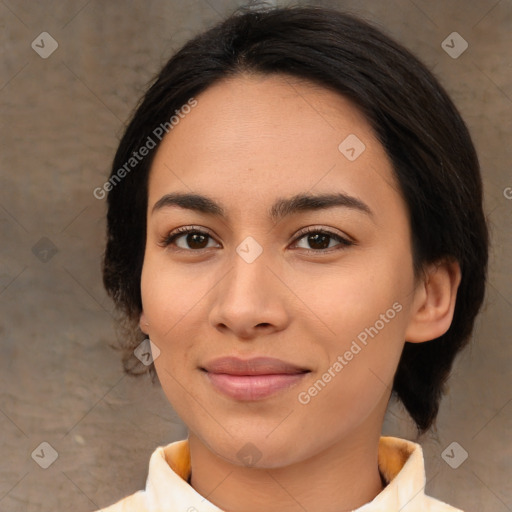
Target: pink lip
{"type": "Point", "coordinates": [252, 387]}
{"type": "Point", "coordinates": [254, 366]}
{"type": "Point", "coordinates": [252, 379]}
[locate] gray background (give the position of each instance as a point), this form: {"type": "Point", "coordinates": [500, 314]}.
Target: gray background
{"type": "Point", "coordinates": [62, 117]}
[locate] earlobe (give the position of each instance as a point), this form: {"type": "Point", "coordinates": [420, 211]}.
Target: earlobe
{"type": "Point", "coordinates": [434, 303]}
{"type": "Point", "coordinates": [143, 323]}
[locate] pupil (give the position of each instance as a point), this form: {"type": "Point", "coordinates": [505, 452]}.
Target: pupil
{"type": "Point", "coordinates": [316, 238]}
{"type": "Point", "coordinates": [192, 238]}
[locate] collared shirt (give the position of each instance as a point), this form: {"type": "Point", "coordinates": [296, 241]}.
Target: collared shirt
{"type": "Point", "coordinates": [167, 489]}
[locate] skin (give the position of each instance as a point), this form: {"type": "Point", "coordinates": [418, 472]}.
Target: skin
{"type": "Point", "coordinates": [250, 140]}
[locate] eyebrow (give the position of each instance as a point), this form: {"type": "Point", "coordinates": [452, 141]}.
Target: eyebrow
{"type": "Point", "coordinates": [280, 209]}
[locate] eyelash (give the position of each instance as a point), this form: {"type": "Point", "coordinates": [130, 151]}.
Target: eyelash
{"type": "Point", "coordinates": [173, 235]}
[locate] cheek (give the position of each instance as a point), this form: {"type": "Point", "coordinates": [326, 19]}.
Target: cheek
{"type": "Point", "coordinates": [347, 299]}
{"type": "Point", "coordinates": [358, 369]}
{"type": "Point", "coordinates": [168, 294]}
{"type": "Point", "coordinates": [360, 314]}
{"type": "Point", "coordinates": [166, 301]}
{"type": "Point", "coordinates": [173, 300]}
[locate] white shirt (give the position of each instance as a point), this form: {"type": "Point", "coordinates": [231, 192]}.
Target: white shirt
{"type": "Point", "coordinates": [167, 490]}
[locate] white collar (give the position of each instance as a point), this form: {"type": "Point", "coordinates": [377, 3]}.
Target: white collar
{"type": "Point", "coordinates": [400, 462]}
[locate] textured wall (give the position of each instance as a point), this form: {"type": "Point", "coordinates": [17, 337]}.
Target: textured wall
{"type": "Point", "coordinates": [61, 119]}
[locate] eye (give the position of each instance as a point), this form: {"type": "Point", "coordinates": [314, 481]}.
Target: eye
{"type": "Point", "coordinates": [320, 240]}
{"type": "Point", "coordinates": [195, 238]}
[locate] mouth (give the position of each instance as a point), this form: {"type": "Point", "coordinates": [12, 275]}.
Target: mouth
{"type": "Point", "coordinates": [252, 379]}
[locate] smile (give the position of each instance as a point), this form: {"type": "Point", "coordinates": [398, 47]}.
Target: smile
{"type": "Point", "coordinates": [252, 387]}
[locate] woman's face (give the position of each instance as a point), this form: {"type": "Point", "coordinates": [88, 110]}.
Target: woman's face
{"type": "Point", "coordinates": [249, 284]}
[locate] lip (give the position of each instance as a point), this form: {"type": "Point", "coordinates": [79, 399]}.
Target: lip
{"type": "Point", "coordinates": [254, 366]}
{"type": "Point", "coordinates": [252, 379]}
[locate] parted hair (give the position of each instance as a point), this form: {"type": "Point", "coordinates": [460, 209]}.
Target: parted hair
{"type": "Point", "coordinates": [427, 141]}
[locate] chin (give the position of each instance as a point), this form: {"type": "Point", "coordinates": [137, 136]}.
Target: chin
{"type": "Point", "coordinates": [257, 451]}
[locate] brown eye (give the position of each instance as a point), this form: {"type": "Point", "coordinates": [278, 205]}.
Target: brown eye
{"type": "Point", "coordinates": [196, 240]}
{"type": "Point", "coordinates": [319, 240]}
{"type": "Point", "coordinates": [193, 239]}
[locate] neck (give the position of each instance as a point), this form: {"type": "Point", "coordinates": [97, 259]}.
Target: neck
{"type": "Point", "coordinates": [342, 477]}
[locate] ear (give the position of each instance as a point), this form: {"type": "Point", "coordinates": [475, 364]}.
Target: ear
{"type": "Point", "coordinates": [143, 323]}
{"type": "Point", "coordinates": [434, 302]}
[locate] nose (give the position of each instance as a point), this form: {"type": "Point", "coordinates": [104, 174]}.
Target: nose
{"type": "Point", "coordinates": [251, 299]}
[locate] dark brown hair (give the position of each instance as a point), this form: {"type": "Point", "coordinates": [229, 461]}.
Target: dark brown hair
{"type": "Point", "coordinates": [428, 143]}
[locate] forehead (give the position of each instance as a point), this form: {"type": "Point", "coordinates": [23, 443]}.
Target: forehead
{"type": "Point", "coordinates": [253, 137]}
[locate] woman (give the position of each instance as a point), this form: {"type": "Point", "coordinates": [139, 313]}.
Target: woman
{"type": "Point", "coordinates": [295, 223]}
